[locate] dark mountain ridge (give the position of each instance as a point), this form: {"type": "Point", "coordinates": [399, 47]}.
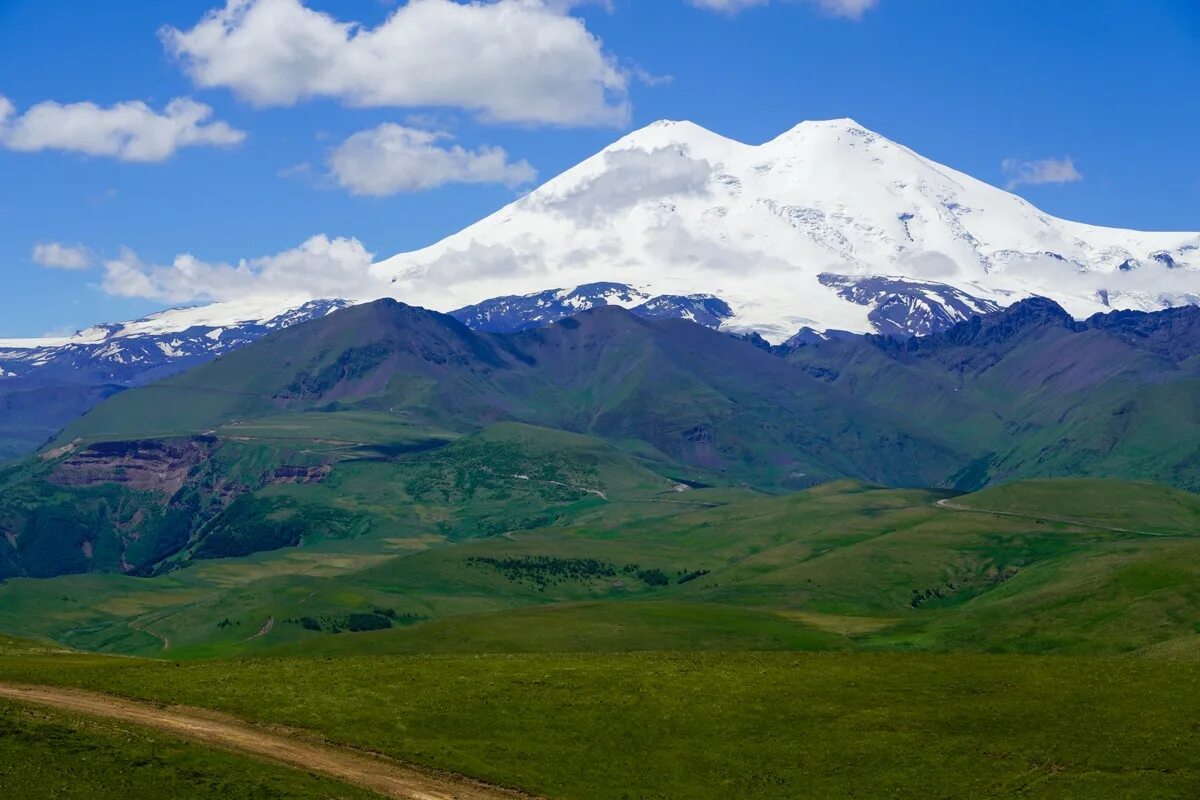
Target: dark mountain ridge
{"type": "Point", "coordinates": [185, 467]}
{"type": "Point", "coordinates": [1043, 394]}
{"type": "Point", "coordinates": [690, 393]}
{"type": "Point", "coordinates": [1027, 391]}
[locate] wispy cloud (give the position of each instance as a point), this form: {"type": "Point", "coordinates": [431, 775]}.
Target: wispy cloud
{"type": "Point", "coordinates": [1044, 170]}
{"type": "Point", "coordinates": [850, 9]}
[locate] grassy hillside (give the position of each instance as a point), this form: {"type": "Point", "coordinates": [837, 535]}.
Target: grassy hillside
{"type": "Point", "coordinates": [1143, 507]}
{"type": "Point", "coordinates": [45, 753]}
{"type": "Point", "coordinates": [1031, 393]}
{"type": "Point", "coordinates": [752, 725]}
{"type": "Point", "coordinates": [442, 554]}
{"type": "Point", "coordinates": [684, 393]}
{"type": "Point", "coordinates": [735, 643]}
{"type": "Point", "coordinates": [150, 506]}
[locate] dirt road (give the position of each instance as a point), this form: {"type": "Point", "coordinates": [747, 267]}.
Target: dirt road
{"type": "Point", "coordinates": [388, 778]}
{"type": "Point", "coordinates": [950, 505]}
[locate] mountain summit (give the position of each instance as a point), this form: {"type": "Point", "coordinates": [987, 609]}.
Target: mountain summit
{"type": "Point", "coordinates": [816, 228]}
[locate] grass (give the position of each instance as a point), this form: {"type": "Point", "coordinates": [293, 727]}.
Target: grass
{"type": "Point", "coordinates": [1146, 507]}
{"type": "Point", "coordinates": [841, 565]}
{"type": "Point", "coordinates": [846, 641]}
{"type": "Point", "coordinates": [47, 753]}
{"type": "Point", "coordinates": [749, 725]}
{"type": "Point", "coordinates": [588, 627]}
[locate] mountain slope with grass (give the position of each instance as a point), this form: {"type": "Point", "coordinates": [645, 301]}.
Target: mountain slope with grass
{"type": "Point", "coordinates": [676, 390]}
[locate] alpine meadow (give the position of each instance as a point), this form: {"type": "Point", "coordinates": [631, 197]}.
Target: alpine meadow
{"type": "Point", "coordinates": [647, 461]}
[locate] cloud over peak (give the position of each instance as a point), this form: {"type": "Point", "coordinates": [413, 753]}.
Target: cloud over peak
{"type": "Point", "coordinates": [511, 61]}
{"type": "Point", "coordinates": [1045, 170]}
{"type": "Point", "coordinates": [393, 158]}
{"type": "Point", "coordinates": [320, 267]}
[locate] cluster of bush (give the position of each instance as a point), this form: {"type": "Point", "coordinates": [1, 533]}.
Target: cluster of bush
{"type": "Point", "coordinates": [543, 571]}
{"type": "Point", "coordinates": [654, 577]}
{"type": "Point", "coordinates": [375, 620]}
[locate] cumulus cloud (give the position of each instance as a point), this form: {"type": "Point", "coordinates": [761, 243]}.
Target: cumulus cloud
{"type": "Point", "coordinates": [62, 256]}
{"type": "Point", "coordinates": [1046, 170]}
{"type": "Point", "coordinates": [514, 61]}
{"type": "Point", "coordinates": [477, 261]}
{"type": "Point", "coordinates": [130, 131]}
{"type": "Point", "coordinates": [320, 267]}
{"type": "Point", "coordinates": [850, 9]}
{"type": "Point", "coordinates": [631, 176]}
{"type": "Point", "coordinates": [393, 158]}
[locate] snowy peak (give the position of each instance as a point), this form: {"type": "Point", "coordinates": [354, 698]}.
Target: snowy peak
{"type": "Point", "coordinates": [668, 133]}
{"type": "Point", "coordinates": [675, 209]}
{"type": "Point", "coordinates": [522, 312]}
{"type": "Point", "coordinates": [151, 347]}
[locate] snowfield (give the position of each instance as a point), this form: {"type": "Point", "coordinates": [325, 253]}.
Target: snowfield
{"type": "Point", "coordinates": [676, 209]}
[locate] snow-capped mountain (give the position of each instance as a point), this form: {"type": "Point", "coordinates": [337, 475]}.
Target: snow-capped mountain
{"type": "Point", "coordinates": [827, 227]}
{"type": "Point", "coordinates": [521, 312]}
{"type": "Point", "coordinates": [130, 353]}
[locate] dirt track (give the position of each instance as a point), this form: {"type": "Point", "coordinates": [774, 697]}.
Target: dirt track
{"type": "Point", "coordinates": [952, 506]}
{"type": "Point", "coordinates": [388, 778]}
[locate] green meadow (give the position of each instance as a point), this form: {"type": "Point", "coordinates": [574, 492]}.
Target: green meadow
{"type": "Point", "coordinates": [552, 613]}
{"type": "Point", "coordinates": [46, 753]}
{"type": "Point", "coordinates": [718, 725]}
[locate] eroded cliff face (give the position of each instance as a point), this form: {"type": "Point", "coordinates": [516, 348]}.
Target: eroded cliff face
{"type": "Point", "coordinates": [289, 473]}
{"type": "Point", "coordinates": [156, 465]}
{"type": "Point", "coordinates": [137, 506]}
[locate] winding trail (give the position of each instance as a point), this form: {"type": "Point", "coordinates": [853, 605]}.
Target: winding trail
{"type": "Point", "coordinates": [263, 631]}
{"type": "Point", "coordinates": [388, 778]}
{"type": "Point", "coordinates": [950, 505]}
{"type": "Point", "coordinates": [140, 627]}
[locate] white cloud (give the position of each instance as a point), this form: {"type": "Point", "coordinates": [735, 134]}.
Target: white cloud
{"type": "Point", "coordinates": [300, 170]}
{"type": "Point", "coordinates": [320, 267]}
{"type": "Point", "coordinates": [392, 158]}
{"type": "Point", "coordinates": [1046, 170]}
{"type": "Point", "coordinates": [62, 256]}
{"type": "Point", "coordinates": [728, 6]}
{"type": "Point", "coordinates": [631, 176]}
{"type": "Point", "coordinates": [130, 131]}
{"type": "Point", "coordinates": [850, 9]}
{"type": "Point", "coordinates": [514, 61]}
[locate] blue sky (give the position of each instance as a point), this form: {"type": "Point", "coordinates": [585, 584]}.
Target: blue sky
{"type": "Point", "coordinates": [1112, 86]}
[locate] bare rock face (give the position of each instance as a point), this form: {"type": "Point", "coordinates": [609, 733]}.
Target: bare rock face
{"type": "Point", "coordinates": [156, 465]}
{"type": "Point", "coordinates": [300, 474]}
